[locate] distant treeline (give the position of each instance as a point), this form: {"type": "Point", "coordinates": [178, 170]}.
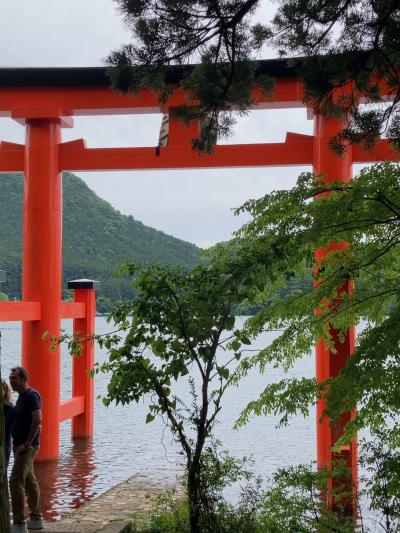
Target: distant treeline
{"type": "Point", "coordinates": [96, 238]}
{"type": "Point", "coordinates": [295, 286]}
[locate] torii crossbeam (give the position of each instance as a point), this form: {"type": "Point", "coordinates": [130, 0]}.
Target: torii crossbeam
{"type": "Point", "coordinates": [47, 99]}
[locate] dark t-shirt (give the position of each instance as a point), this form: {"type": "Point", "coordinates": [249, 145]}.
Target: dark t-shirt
{"type": "Point", "coordinates": [27, 402]}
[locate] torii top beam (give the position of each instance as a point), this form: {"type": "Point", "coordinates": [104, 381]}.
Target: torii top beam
{"type": "Point", "coordinates": [86, 91]}
{"type": "Point", "coordinates": [46, 93]}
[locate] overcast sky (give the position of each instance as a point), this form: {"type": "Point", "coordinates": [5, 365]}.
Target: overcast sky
{"type": "Point", "coordinates": [193, 205]}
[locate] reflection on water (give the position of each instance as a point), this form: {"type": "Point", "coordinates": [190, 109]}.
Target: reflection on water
{"type": "Point", "coordinates": [124, 445]}
{"type": "Point", "coordinates": [67, 482]}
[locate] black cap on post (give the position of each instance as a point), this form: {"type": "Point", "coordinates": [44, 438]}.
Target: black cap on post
{"type": "Point", "coordinates": [84, 284]}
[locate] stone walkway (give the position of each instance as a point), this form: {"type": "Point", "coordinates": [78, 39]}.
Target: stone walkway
{"type": "Point", "coordinates": [137, 494]}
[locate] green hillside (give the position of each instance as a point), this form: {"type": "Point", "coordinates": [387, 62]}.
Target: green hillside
{"type": "Point", "coordinates": [96, 237]}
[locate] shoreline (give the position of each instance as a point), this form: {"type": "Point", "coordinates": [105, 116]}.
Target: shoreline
{"type": "Point", "coordinates": [112, 510]}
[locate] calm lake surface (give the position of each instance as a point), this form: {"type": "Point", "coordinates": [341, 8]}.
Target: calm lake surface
{"type": "Point", "coordinates": [124, 445]}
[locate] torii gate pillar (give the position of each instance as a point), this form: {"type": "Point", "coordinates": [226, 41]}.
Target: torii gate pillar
{"type": "Point", "coordinates": [42, 267]}
{"type": "Point", "coordinates": [328, 364]}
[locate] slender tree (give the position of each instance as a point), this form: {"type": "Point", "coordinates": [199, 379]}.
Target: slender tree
{"type": "Point", "coordinates": [177, 329]}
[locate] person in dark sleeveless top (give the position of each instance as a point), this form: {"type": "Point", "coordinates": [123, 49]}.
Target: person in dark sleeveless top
{"type": "Point", "coordinates": [8, 409]}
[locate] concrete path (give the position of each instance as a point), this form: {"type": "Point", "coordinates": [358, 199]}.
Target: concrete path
{"type": "Point", "coordinates": [109, 512]}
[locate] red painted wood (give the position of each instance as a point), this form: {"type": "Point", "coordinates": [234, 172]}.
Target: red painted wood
{"type": "Point", "coordinates": [381, 151]}
{"type": "Point", "coordinates": [71, 408]}
{"type": "Point", "coordinates": [23, 102]}
{"type": "Point", "coordinates": [41, 274]}
{"type": "Point", "coordinates": [174, 157]}
{"type": "Point", "coordinates": [19, 311]}
{"type": "Point", "coordinates": [180, 133]}
{"type": "Point", "coordinates": [75, 156]}
{"type": "Point", "coordinates": [73, 309]}
{"type": "Point", "coordinates": [11, 157]}
{"type": "Point", "coordinates": [329, 363]}
{"type": "Point", "coordinates": [82, 382]}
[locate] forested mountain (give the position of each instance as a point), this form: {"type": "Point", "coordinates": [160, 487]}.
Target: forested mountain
{"type": "Point", "coordinates": [96, 237]}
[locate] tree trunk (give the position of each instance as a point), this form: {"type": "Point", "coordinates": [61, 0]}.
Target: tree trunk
{"type": "Point", "coordinates": [193, 490]}
{"type": "Point", "coordinates": [4, 502]}
{"type": "Point", "coordinates": [194, 465]}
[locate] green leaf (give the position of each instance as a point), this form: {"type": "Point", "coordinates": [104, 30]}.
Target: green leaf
{"type": "Point", "coordinates": [230, 323]}
{"type": "Point", "coordinates": [149, 418]}
{"type": "Point", "coordinates": [223, 371]}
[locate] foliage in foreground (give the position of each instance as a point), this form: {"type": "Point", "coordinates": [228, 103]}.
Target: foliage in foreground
{"type": "Point", "coordinates": [177, 329]}
{"type": "Point", "coordinates": [278, 243]}
{"type": "Point", "coordinates": [291, 503]}
{"type": "Point", "coordinates": [219, 471]}
{"type": "Point", "coordinates": [380, 461]}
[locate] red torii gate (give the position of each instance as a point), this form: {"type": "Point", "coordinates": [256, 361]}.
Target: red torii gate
{"type": "Point", "coordinates": [47, 99]}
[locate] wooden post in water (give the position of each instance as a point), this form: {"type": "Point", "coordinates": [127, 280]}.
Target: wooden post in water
{"type": "Point", "coordinates": [82, 381]}
{"type": "Point", "coordinates": [328, 364]}
{"type": "Point", "coordinates": [41, 271]}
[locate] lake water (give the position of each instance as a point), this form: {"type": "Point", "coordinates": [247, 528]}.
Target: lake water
{"type": "Point", "coordinates": [124, 445]}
